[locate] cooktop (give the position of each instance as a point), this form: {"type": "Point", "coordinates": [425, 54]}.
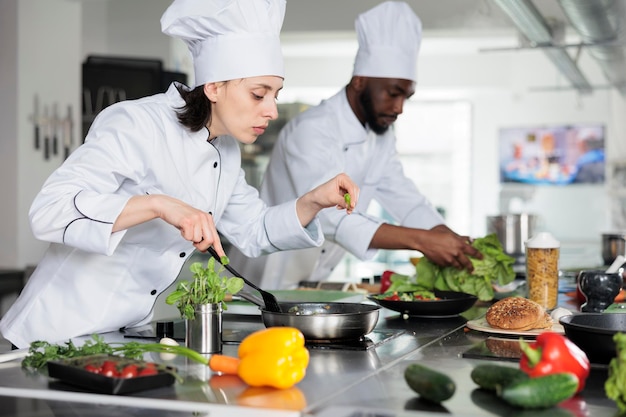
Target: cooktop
{"type": "Point", "coordinates": [175, 329]}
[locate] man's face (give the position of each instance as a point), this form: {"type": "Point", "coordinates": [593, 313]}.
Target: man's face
{"type": "Point", "coordinates": [383, 99]}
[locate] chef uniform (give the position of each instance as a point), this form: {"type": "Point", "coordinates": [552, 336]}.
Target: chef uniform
{"type": "Point", "coordinates": [91, 280]}
{"type": "Point", "coordinates": [328, 139]}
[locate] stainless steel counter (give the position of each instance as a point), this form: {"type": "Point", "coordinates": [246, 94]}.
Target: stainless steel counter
{"type": "Point", "coordinates": [338, 382]}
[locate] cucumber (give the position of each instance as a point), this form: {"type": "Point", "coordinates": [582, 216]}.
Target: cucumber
{"type": "Point", "coordinates": [540, 392]}
{"type": "Point", "coordinates": [491, 376]}
{"type": "Point", "coordinates": [431, 385]}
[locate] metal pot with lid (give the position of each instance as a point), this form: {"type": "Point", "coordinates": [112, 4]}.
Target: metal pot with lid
{"type": "Point", "coordinates": [613, 244]}
{"type": "Point", "coordinates": [512, 231]}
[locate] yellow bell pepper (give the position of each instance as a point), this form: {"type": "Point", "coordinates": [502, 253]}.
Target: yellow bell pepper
{"type": "Point", "coordinates": [272, 357]}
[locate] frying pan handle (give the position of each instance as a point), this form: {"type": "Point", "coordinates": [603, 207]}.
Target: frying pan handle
{"type": "Point", "coordinates": [252, 298]}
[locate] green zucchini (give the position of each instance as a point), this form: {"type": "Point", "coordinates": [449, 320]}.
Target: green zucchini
{"type": "Point", "coordinates": [540, 392]}
{"type": "Point", "coordinates": [431, 385]}
{"type": "Point", "coordinates": [490, 376]}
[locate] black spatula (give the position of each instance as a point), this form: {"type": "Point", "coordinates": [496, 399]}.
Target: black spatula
{"type": "Point", "coordinates": [271, 303]}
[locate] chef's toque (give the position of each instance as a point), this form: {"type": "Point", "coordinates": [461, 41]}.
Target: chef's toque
{"type": "Point", "coordinates": [228, 39]}
{"type": "Point", "coordinates": [389, 38]}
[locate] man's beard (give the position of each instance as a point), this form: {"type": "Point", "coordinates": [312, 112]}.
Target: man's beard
{"type": "Point", "coordinates": [370, 114]}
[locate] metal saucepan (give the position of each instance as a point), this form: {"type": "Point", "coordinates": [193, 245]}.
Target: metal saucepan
{"type": "Point", "coordinates": [513, 230]}
{"type": "Point", "coordinates": [325, 321]}
{"type": "Point", "coordinates": [320, 321]}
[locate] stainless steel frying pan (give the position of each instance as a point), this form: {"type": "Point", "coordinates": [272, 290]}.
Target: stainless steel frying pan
{"type": "Point", "coordinates": [321, 321]}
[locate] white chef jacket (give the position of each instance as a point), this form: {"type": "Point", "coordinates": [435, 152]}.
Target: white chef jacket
{"type": "Point", "coordinates": [91, 280]}
{"type": "Point", "coordinates": [312, 148]}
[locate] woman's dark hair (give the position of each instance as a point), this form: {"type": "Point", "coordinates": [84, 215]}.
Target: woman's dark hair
{"type": "Point", "coordinates": [196, 112]}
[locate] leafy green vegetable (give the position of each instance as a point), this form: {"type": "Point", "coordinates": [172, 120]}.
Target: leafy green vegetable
{"type": "Point", "coordinates": [206, 287]}
{"type": "Point", "coordinates": [615, 385]}
{"type": "Point", "coordinates": [405, 283]}
{"type": "Point", "coordinates": [40, 352]}
{"type": "Point", "coordinates": [496, 267]}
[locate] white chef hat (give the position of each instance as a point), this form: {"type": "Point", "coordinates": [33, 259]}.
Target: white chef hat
{"type": "Point", "coordinates": [228, 39]}
{"type": "Point", "coordinates": [389, 38]}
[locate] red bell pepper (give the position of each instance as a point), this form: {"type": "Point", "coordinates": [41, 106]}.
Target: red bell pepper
{"type": "Point", "coordinates": [385, 281]}
{"type": "Point", "coordinates": [553, 353]}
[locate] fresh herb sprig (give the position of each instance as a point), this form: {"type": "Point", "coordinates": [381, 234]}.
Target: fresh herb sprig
{"type": "Point", "coordinates": [40, 352]}
{"type": "Point", "coordinates": [208, 286]}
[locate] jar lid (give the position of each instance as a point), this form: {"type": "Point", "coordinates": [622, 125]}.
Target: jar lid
{"type": "Point", "coordinates": [543, 240]}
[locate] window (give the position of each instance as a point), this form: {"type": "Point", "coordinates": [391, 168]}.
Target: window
{"type": "Point", "coordinates": [434, 139]}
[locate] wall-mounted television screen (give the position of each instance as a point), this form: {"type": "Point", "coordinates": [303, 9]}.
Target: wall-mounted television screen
{"type": "Point", "coordinates": [552, 155]}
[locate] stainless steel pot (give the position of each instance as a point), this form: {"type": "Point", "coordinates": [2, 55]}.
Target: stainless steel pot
{"type": "Point", "coordinates": [325, 321]}
{"type": "Point", "coordinates": [613, 244]}
{"type": "Point", "coordinates": [512, 231]}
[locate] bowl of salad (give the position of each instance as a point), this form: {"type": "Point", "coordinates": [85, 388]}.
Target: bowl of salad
{"type": "Point", "coordinates": [432, 304]}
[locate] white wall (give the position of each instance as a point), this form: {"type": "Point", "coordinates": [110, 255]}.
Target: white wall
{"type": "Point", "coordinates": [8, 132]}
{"type": "Point", "coordinates": [124, 27]}
{"type": "Point", "coordinates": [39, 55]}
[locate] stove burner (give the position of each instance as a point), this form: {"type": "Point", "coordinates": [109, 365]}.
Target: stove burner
{"type": "Point", "coordinates": [369, 341]}
{"type": "Point", "coordinates": [230, 337]}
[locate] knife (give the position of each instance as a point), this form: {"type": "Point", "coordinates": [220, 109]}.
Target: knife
{"type": "Point", "coordinates": [46, 136]}
{"type": "Point", "coordinates": [36, 121]}
{"type": "Point", "coordinates": [67, 134]}
{"type": "Point", "coordinates": [56, 123]}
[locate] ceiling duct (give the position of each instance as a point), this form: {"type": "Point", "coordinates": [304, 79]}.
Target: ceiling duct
{"type": "Point", "coordinates": [601, 23]}
{"type": "Point", "coordinates": [536, 29]}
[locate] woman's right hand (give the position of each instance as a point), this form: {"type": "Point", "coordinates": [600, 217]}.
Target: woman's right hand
{"type": "Point", "coordinates": [195, 225]}
{"type": "Point", "coordinates": [331, 193]}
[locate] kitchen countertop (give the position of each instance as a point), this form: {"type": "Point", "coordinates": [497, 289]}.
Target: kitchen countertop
{"type": "Point", "coordinates": [338, 382]}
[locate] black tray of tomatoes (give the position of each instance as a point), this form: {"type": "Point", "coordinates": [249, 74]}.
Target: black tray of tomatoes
{"type": "Point", "coordinates": [109, 374]}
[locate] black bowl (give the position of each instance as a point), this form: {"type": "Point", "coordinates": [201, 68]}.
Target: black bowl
{"type": "Point", "coordinates": [593, 333]}
{"type": "Point", "coordinates": [450, 304]}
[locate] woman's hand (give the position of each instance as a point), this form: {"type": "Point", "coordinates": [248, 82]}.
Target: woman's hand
{"type": "Point", "coordinates": [195, 225]}
{"type": "Point", "coordinates": [331, 193]}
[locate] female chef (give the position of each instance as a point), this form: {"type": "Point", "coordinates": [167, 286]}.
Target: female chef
{"type": "Point", "coordinates": [158, 178]}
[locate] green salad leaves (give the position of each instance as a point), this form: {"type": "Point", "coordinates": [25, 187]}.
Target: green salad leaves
{"type": "Point", "coordinates": [496, 267]}
{"type": "Point", "coordinates": [615, 385]}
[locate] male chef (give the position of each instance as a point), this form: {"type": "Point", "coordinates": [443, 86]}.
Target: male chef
{"type": "Point", "coordinates": [352, 132]}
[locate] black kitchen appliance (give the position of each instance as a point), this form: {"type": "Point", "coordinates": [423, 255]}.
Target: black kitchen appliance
{"type": "Point", "coordinates": [109, 79]}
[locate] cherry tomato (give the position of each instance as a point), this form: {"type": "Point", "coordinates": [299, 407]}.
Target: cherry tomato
{"type": "Point", "coordinates": [109, 368]}
{"type": "Point", "coordinates": [394, 297]}
{"type": "Point", "coordinates": [148, 370]}
{"type": "Point", "coordinates": [129, 371]}
{"type": "Point", "coordinates": [93, 368]}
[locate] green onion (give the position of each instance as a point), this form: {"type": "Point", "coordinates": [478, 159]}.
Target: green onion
{"type": "Point", "coordinates": [41, 352]}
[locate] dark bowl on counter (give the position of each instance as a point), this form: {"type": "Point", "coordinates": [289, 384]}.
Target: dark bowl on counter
{"type": "Point", "coordinates": [593, 333]}
{"type": "Point", "coordinates": [448, 304]}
